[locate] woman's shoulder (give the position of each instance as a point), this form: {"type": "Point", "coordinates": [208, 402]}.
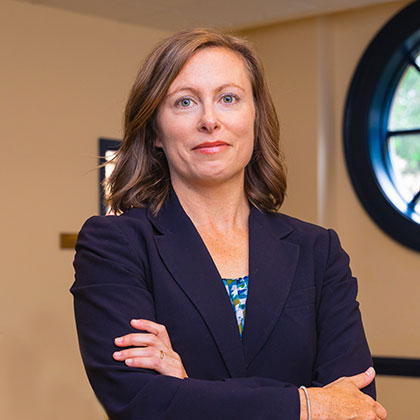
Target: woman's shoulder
{"type": "Point", "coordinates": [299, 224]}
{"type": "Point", "coordinates": [305, 234]}
{"type": "Point", "coordinates": [130, 229]}
{"type": "Point", "coordinates": [131, 217]}
{"type": "Point", "coordinates": [295, 226]}
{"type": "Point", "coordinates": [121, 239]}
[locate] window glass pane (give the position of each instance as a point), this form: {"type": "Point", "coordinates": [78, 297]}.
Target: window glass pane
{"type": "Point", "coordinates": [405, 109]}
{"type": "Point", "coordinates": [404, 152]}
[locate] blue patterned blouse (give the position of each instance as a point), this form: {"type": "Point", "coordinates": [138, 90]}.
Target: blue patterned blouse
{"type": "Point", "coordinates": [237, 290]}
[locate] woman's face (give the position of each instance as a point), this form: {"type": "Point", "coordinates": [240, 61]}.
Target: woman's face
{"type": "Point", "coordinates": [206, 122]}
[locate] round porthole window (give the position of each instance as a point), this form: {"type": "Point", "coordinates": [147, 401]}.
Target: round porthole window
{"type": "Point", "coordinates": [382, 128]}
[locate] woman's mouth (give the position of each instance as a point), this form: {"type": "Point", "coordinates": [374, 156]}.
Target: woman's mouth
{"type": "Point", "coordinates": [211, 147]}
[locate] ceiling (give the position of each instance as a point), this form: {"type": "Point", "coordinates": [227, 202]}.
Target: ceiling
{"type": "Point", "coordinates": [176, 14]}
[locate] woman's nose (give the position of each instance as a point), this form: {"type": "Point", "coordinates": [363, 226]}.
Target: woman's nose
{"type": "Point", "coordinates": [208, 121]}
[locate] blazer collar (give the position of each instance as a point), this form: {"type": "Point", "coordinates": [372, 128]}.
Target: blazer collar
{"type": "Point", "coordinates": [272, 263]}
{"type": "Point", "coordinates": [272, 266]}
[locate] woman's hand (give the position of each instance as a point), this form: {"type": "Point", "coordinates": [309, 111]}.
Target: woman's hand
{"type": "Point", "coordinates": [343, 400]}
{"type": "Point", "coordinates": [151, 350]}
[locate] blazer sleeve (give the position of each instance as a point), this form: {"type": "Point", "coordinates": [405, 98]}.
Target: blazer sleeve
{"type": "Point", "coordinates": [342, 345]}
{"type": "Point", "coordinates": [110, 289]}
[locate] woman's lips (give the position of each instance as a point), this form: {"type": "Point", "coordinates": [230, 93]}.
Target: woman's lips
{"type": "Point", "coordinates": [211, 147]}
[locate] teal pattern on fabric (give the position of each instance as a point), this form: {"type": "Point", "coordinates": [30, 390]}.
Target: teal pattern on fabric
{"type": "Point", "coordinates": [237, 290]}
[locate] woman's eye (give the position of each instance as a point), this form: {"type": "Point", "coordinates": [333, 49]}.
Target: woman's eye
{"type": "Point", "coordinates": [184, 102]}
{"type": "Point", "coordinates": [228, 99]}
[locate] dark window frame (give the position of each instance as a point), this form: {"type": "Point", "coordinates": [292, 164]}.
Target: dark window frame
{"type": "Point", "coordinates": [365, 124]}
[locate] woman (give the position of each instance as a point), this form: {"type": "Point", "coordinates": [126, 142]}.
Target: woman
{"type": "Point", "coordinates": [220, 307]}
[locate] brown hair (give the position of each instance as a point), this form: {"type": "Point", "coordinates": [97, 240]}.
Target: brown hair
{"type": "Point", "coordinates": [141, 175]}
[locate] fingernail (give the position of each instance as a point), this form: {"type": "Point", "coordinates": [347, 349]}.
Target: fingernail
{"type": "Point", "coordinates": [135, 320]}
{"type": "Point", "coordinates": [119, 340]}
{"type": "Point", "coordinates": [117, 354]}
{"type": "Point", "coordinates": [370, 371]}
{"type": "Point", "coordinates": [129, 361]}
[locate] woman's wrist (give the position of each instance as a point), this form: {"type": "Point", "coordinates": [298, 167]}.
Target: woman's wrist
{"type": "Point", "coordinates": [303, 405]}
{"type": "Point", "coordinates": [308, 402]}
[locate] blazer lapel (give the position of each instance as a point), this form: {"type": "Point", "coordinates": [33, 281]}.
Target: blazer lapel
{"type": "Point", "coordinates": [187, 259]}
{"type": "Point", "coordinates": [272, 265]}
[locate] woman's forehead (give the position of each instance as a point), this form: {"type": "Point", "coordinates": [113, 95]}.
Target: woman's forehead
{"type": "Point", "coordinates": [213, 66]}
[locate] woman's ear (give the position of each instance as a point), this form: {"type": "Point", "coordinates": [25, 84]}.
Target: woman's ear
{"type": "Point", "coordinates": [158, 143]}
{"type": "Point", "coordinates": [156, 135]}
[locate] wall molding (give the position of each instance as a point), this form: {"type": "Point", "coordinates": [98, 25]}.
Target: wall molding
{"type": "Point", "coordinates": [396, 366]}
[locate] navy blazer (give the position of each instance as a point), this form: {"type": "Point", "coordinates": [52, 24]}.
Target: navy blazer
{"type": "Point", "coordinates": [302, 324]}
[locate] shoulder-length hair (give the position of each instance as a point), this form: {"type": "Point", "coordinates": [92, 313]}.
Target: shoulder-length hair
{"type": "Point", "coordinates": [141, 174]}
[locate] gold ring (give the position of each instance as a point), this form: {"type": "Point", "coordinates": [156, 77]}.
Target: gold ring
{"type": "Point", "coordinates": [162, 354]}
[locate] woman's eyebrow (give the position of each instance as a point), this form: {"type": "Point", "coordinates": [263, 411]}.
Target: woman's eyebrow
{"type": "Point", "coordinates": [196, 91]}
{"type": "Point", "coordinates": [182, 89]}
{"type": "Point", "coordinates": [228, 85]}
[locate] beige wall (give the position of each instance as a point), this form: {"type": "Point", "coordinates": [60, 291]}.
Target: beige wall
{"type": "Point", "coordinates": [64, 80]}
{"type": "Point", "coordinates": [309, 64]}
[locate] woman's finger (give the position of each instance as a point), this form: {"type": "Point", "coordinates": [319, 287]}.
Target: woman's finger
{"type": "Point", "coordinates": [136, 352]}
{"type": "Point", "coordinates": [144, 352]}
{"type": "Point", "coordinates": [140, 339]}
{"type": "Point", "coordinates": [380, 410]}
{"type": "Point", "coordinates": [162, 364]}
{"type": "Point", "coordinates": [150, 350]}
{"type": "Point", "coordinates": [154, 363]}
{"type": "Point", "coordinates": [363, 379]}
{"type": "Point", "coordinates": [152, 327]}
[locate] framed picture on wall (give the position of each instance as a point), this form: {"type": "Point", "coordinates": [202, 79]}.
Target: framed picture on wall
{"type": "Point", "coordinates": [107, 150]}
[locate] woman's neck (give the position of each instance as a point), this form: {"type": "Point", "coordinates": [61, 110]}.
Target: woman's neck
{"type": "Point", "coordinates": [221, 208]}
